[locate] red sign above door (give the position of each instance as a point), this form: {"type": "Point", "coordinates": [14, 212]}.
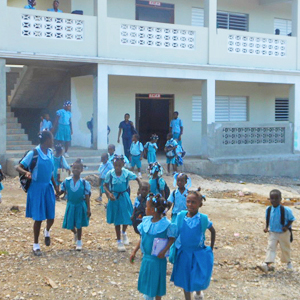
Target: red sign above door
{"type": "Point", "coordinates": [154, 96]}
{"type": "Point", "coordinates": [155, 3]}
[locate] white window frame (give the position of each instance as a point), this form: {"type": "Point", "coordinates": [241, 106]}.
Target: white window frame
{"type": "Point", "coordinates": [197, 108]}
{"type": "Point", "coordinates": [231, 109]}
{"type": "Point", "coordinates": [230, 23]}
{"type": "Point", "coordinates": [282, 110]}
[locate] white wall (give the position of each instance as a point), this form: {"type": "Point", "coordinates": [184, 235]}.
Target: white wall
{"type": "Point", "coordinates": [82, 109]}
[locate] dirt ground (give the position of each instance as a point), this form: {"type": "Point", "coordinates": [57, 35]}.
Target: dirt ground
{"type": "Point", "coordinates": [236, 205]}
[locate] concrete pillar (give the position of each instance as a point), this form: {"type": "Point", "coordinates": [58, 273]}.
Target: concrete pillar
{"type": "Point", "coordinates": [296, 27]}
{"type": "Point", "coordinates": [100, 107]}
{"type": "Point", "coordinates": [2, 109]}
{"type": "Point", "coordinates": [294, 109]}
{"type": "Point", "coordinates": [102, 27]}
{"type": "Point", "coordinates": [208, 113]}
{"type": "Point", "coordinates": [210, 21]}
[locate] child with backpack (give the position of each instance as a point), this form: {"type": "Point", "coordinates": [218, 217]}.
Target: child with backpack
{"type": "Point", "coordinates": [139, 210]}
{"type": "Point", "coordinates": [104, 167]}
{"type": "Point", "coordinates": [136, 151]}
{"type": "Point", "coordinates": [78, 210]}
{"type": "Point", "coordinates": [157, 183]}
{"type": "Point", "coordinates": [119, 207]}
{"type": "Point", "coordinates": [2, 176]}
{"type": "Point", "coordinates": [193, 261]}
{"type": "Point", "coordinates": [151, 148]}
{"type": "Point", "coordinates": [170, 150]}
{"type": "Point", "coordinates": [178, 197]}
{"type": "Point", "coordinates": [279, 219]}
{"type": "Point", "coordinates": [45, 124]}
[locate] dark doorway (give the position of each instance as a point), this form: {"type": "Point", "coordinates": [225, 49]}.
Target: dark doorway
{"type": "Point", "coordinates": [154, 11]}
{"type": "Point", "coordinates": [153, 115]}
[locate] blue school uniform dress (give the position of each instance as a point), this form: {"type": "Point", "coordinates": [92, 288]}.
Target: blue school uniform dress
{"type": "Point", "coordinates": [45, 125]}
{"type": "Point", "coordinates": [179, 201]}
{"type": "Point", "coordinates": [136, 149]}
{"type": "Point", "coordinates": [76, 210]}
{"type": "Point", "coordinates": [40, 196]}
{"type": "Point", "coordinates": [29, 6]}
{"type": "Point", "coordinates": [64, 129]}
{"type": "Point", "coordinates": [193, 260]}
{"type": "Point", "coordinates": [151, 155]}
{"type": "Point", "coordinates": [157, 185]}
{"type": "Point", "coordinates": [176, 125]}
{"type": "Point", "coordinates": [59, 162]}
{"type": "Point", "coordinates": [153, 271]}
{"type": "Point", "coordinates": [1, 185]}
{"type": "Point", "coordinates": [103, 170]}
{"type": "Point", "coordinates": [119, 212]}
{"type": "Point", "coordinates": [171, 154]}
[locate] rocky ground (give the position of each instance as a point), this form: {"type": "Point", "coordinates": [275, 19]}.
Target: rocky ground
{"type": "Point", "coordinates": [235, 204]}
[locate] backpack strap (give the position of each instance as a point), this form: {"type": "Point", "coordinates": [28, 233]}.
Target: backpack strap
{"type": "Point", "coordinates": [180, 218]}
{"type": "Point", "coordinates": [268, 217]}
{"type": "Point", "coordinates": [204, 223]}
{"type": "Point", "coordinates": [173, 194]}
{"type": "Point", "coordinates": [282, 215]}
{"type": "Point", "coordinates": [34, 160]}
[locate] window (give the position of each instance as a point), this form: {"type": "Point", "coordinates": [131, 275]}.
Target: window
{"type": "Point", "coordinates": [154, 11]}
{"type": "Point", "coordinates": [231, 109]}
{"type": "Point", "coordinates": [197, 109]}
{"type": "Point", "coordinates": [281, 109]}
{"type": "Point", "coordinates": [284, 26]}
{"type": "Point", "coordinates": [197, 16]}
{"type": "Point", "coordinates": [233, 21]}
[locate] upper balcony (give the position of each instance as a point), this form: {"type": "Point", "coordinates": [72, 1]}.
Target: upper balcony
{"type": "Point", "coordinates": [43, 32]}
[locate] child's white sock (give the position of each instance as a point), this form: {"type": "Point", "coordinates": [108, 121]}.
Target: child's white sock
{"type": "Point", "coordinates": [46, 233]}
{"type": "Point", "coordinates": [36, 247]}
{"type": "Point", "coordinates": [119, 241]}
{"type": "Point", "coordinates": [0, 198]}
{"type": "Point", "coordinates": [124, 232]}
{"type": "Point", "coordinates": [79, 243]}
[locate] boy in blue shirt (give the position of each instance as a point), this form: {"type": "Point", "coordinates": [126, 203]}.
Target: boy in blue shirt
{"type": "Point", "coordinates": [170, 150]}
{"type": "Point", "coordinates": [31, 4]}
{"type": "Point", "coordinates": [55, 7]}
{"type": "Point", "coordinates": [280, 220]}
{"type": "Point", "coordinates": [45, 124]}
{"type": "Point", "coordinates": [136, 149]}
{"type": "Point", "coordinates": [176, 127]}
{"type": "Point", "coordinates": [104, 167]}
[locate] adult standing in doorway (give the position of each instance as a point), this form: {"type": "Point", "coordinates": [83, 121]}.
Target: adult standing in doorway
{"type": "Point", "coordinates": [55, 7]}
{"type": "Point", "coordinates": [31, 4]}
{"type": "Point", "coordinates": [63, 126]}
{"type": "Point", "coordinates": [38, 166]}
{"type": "Point", "coordinates": [128, 131]}
{"type": "Point", "coordinates": [176, 127]}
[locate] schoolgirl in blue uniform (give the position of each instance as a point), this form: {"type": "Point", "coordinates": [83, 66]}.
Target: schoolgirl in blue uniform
{"type": "Point", "coordinates": [136, 151]}
{"type": "Point", "coordinates": [170, 150]}
{"type": "Point", "coordinates": [153, 271]}
{"type": "Point", "coordinates": [45, 124]}
{"type": "Point", "coordinates": [119, 207]}
{"type": "Point", "coordinates": [2, 176]}
{"type": "Point", "coordinates": [151, 148]}
{"type": "Point", "coordinates": [104, 167]}
{"type": "Point", "coordinates": [157, 183]}
{"type": "Point", "coordinates": [59, 162]}
{"type": "Point", "coordinates": [78, 210]}
{"type": "Point", "coordinates": [64, 126]}
{"type": "Point", "coordinates": [40, 196]}
{"type": "Point", "coordinates": [178, 197]}
{"type": "Point", "coordinates": [193, 261]}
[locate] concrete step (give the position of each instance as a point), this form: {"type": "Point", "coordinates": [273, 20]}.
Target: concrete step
{"type": "Point", "coordinates": [10, 115]}
{"type": "Point", "coordinates": [16, 143]}
{"type": "Point", "coordinates": [8, 109]}
{"type": "Point", "coordinates": [86, 160]}
{"type": "Point", "coordinates": [80, 153]}
{"type": "Point", "coordinates": [13, 126]}
{"type": "Point", "coordinates": [17, 137]}
{"type": "Point", "coordinates": [15, 131]}
{"type": "Point", "coordinates": [11, 120]}
{"type": "Point", "coordinates": [19, 147]}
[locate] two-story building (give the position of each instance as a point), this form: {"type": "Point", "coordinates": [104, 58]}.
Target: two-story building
{"type": "Point", "coordinates": [230, 68]}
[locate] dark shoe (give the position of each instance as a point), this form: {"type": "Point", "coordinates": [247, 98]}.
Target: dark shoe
{"type": "Point", "coordinates": [37, 252]}
{"type": "Point", "coordinates": [47, 239]}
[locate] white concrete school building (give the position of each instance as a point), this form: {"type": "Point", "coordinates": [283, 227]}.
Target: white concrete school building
{"type": "Point", "coordinates": [229, 67]}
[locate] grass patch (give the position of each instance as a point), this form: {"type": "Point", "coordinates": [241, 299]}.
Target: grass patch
{"type": "Point", "coordinates": [3, 252]}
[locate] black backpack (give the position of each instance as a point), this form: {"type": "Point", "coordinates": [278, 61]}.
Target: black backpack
{"type": "Point", "coordinates": [1, 177]}
{"type": "Point", "coordinates": [140, 212]}
{"type": "Point", "coordinates": [24, 181]}
{"type": "Point", "coordinates": [282, 219]}
{"type": "Point", "coordinates": [167, 189]}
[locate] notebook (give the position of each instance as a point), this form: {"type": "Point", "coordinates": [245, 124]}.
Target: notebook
{"type": "Point", "coordinates": [158, 245]}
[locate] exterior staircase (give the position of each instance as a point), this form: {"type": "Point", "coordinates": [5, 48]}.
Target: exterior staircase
{"type": "Point", "coordinates": [15, 135]}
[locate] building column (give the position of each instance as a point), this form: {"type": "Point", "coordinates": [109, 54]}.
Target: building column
{"type": "Point", "coordinates": [2, 109]}
{"type": "Point", "coordinates": [210, 21]}
{"type": "Point", "coordinates": [294, 109]}
{"type": "Point", "coordinates": [100, 107]}
{"type": "Point", "coordinates": [296, 27]}
{"type": "Point", "coordinates": [208, 114]}
{"type": "Point", "coordinates": [102, 27]}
